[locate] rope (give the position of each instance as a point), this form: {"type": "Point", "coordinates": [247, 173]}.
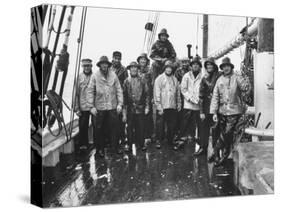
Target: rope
{"type": "Point", "coordinates": [77, 65]}
{"type": "Point", "coordinates": [55, 105]}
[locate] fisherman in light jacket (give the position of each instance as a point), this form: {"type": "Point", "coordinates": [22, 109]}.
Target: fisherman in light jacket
{"type": "Point", "coordinates": [190, 90]}
{"type": "Point", "coordinates": [168, 102]}
{"type": "Point", "coordinates": [81, 108]}
{"type": "Point", "coordinates": [105, 98]}
{"type": "Point", "coordinates": [227, 105]}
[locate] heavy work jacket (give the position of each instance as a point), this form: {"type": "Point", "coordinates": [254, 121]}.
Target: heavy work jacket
{"type": "Point", "coordinates": [121, 73]}
{"type": "Point", "coordinates": [226, 99]}
{"type": "Point", "coordinates": [162, 49]}
{"type": "Point", "coordinates": [136, 95]}
{"type": "Point", "coordinates": [104, 93]}
{"type": "Point", "coordinates": [81, 92]}
{"type": "Point", "coordinates": [190, 90]}
{"type": "Point", "coordinates": [180, 72]}
{"type": "Point", "coordinates": [146, 76]}
{"type": "Point", "coordinates": [167, 92]}
{"type": "Point", "coordinates": [207, 85]}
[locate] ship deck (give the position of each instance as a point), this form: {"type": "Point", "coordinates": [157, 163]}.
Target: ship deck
{"type": "Point", "coordinates": [154, 175]}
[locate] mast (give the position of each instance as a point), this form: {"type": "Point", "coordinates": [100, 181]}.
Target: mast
{"type": "Point", "coordinates": [205, 36]}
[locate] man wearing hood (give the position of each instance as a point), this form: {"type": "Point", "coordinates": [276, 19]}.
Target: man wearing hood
{"type": "Point", "coordinates": [161, 51]}
{"type": "Point", "coordinates": [205, 95]}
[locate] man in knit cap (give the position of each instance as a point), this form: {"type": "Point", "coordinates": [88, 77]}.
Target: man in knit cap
{"type": "Point", "coordinates": [82, 109]}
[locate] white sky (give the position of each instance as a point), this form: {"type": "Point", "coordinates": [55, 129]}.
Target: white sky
{"type": "Point", "coordinates": [108, 30]}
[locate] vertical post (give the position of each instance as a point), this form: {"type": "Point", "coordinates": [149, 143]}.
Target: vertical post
{"type": "Point", "coordinates": [264, 73]}
{"type": "Point", "coordinates": [205, 36]}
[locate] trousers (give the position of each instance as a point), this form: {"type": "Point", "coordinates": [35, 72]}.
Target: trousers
{"type": "Point", "coordinates": [166, 125]}
{"type": "Point", "coordinates": [106, 127]}
{"type": "Point", "coordinates": [136, 129]}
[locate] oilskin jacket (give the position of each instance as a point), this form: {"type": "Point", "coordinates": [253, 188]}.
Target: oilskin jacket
{"type": "Point", "coordinates": [81, 92]}
{"type": "Point", "coordinates": [136, 95]}
{"type": "Point", "coordinates": [180, 72]}
{"type": "Point", "coordinates": [146, 76]}
{"type": "Point", "coordinates": [121, 73]}
{"type": "Point", "coordinates": [226, 99]}
{"type": "Point", "coordinates": [104, 93]}
{"type": "Point", "coordinates": [207, 85]}
{"type": "Point", "coordinates": [162, 49]}
{"type": "Point", "coordinates": [190, 90]}
{"type": "Point", "coordinates": [167, 92]}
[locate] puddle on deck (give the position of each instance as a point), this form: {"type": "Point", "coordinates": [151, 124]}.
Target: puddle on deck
{"type": "Point", "coordinates": [155, 175]}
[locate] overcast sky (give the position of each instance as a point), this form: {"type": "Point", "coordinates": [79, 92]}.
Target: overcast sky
{"type": "Point", "coordinates": [108, 30]}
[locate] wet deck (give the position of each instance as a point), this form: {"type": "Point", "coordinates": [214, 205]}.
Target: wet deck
{"type": "Point", "coordinates": [155, 175]}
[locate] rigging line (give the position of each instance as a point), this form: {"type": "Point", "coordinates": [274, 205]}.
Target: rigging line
{"type": "Point", "coordinates": [51, 25]}
{"type": "Point", "coordinates": [50, 15]}
{"type": "Point", "coordinates": [154, 30]}
{"type": "Point", "coordinates": [35, 27]}
{"type": "Point", "coordinates": [39, 25]}
{"type": "Point", "coordinates": [54, 49]}
{"type": "Point", "coordinates": [145, 35]}
{"type": "Point", "coordinates": [156, 24]}
{"type": "Point", "coordinates": [197, 34]}
{"type": "Point", "coordinates": [77, 66]}
{"type": "Point", "coordinates": [151, 34]}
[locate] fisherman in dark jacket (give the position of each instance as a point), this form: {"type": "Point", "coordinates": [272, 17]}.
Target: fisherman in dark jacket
{"type": "Point", "coordinates": [136, 106]}
{"type": "Point", "coordinates": [161, 51]}
{"type": "Point", "coordinates": [146, 75]}
{"type": "Point", "coordinates": [122, 74]}
{"type": "Point", "coordinates": [183, 68]}
{"type": "Point", "coordinates": [205, 95]}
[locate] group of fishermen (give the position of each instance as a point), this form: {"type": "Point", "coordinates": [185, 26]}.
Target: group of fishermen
{"type": "Point", "coordinates": [166, 103]}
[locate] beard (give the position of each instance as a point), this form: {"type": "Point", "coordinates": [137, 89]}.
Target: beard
{"type": "Point", "coordinates": [169, 74]}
